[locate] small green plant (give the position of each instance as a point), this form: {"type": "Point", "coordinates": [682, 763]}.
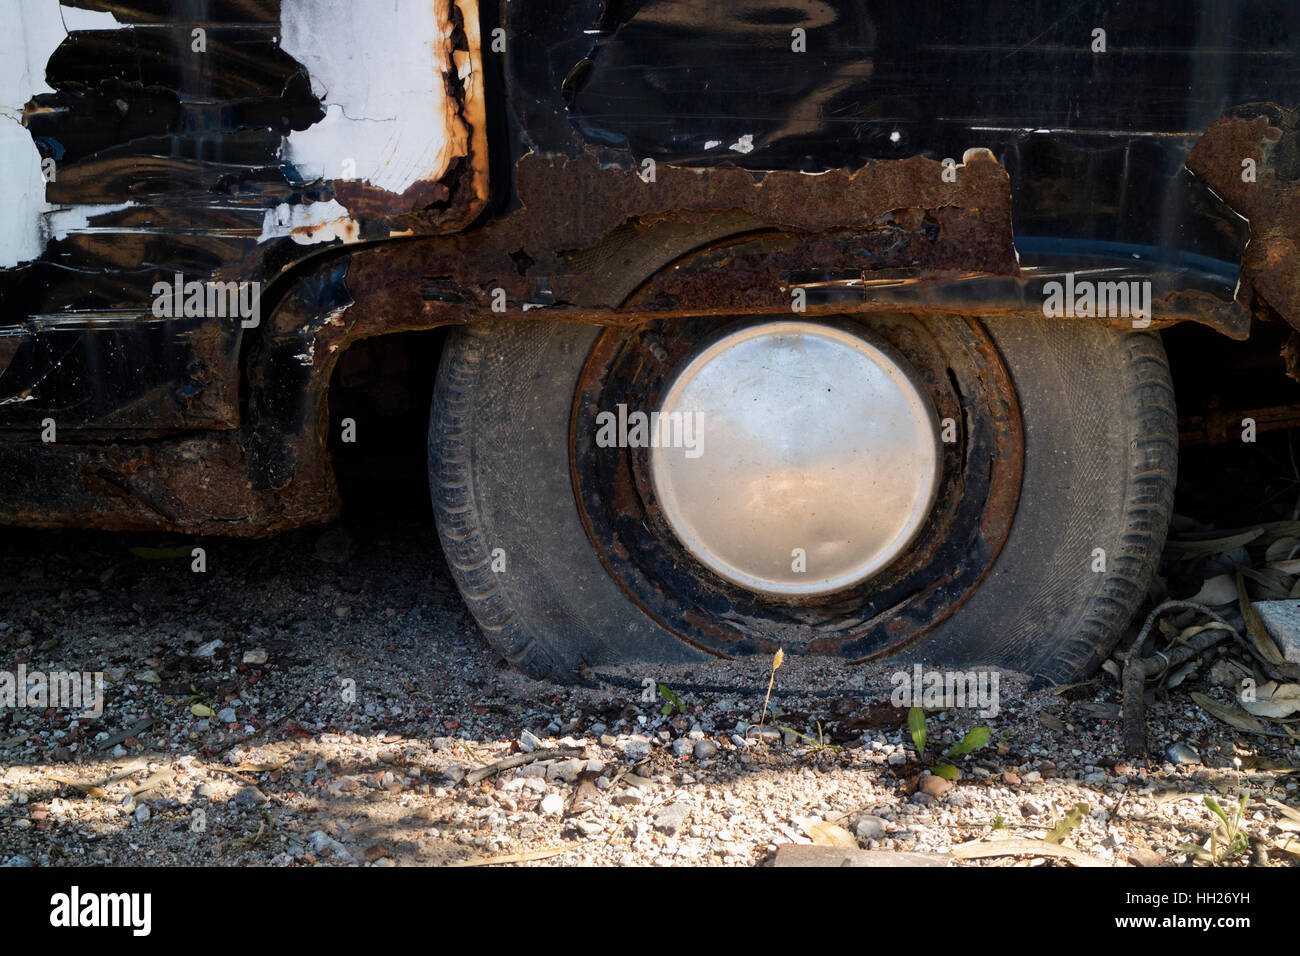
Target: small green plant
{"type": "Point", "coordinates": [916, 725]}
{"type": "Point", "coordinates": [975, 738]}
{"type": "Point", "coordinates": [817, 745]}
{"type": "Point", "coordinates": [1227, 835]}
{"type": "Point", "coordinates": [999, 823]}
{"type": "Point", "coordinates": [1068, 823]}
{"type": "Point", "coordinates": [672, 703]}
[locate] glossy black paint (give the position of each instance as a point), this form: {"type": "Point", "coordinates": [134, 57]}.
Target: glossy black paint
{"type": "Point", "coordinates": [1094, 142]}
{"type": "Point", "coordinates": [191, 142]}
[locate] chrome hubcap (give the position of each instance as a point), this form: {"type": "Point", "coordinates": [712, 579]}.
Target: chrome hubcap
{"type": "Point", "coordinates": [810, 459]}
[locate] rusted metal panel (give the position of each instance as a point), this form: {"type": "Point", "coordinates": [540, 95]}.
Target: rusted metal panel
{"type": "Point", "coordinates": [156, 139]}
{"type": "Point", "coordinates": [863, 252]}
{"type": "Point", "coordinates": [1252, 159]}
{"type": "Point", "coordinates": [198, 485]}
{"type": "Point", "coordinates": [837, 195]}
{"type": "Point", "coordinates": [569, 207]}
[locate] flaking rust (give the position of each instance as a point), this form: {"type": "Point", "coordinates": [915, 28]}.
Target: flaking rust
{"type": "Point", "coordinates": [896, 215]}
{"type": "Point", "coordinates": [1251, 158]}
{"type": "Point", "coordinates": [570, 207]}
{"type": "Point", "coordinates": [275, 468]}
{"type": "Point", "coordinates": [893, 235]}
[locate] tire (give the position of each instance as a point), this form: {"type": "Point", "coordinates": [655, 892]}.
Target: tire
{"type": "Point", "coordinates": [1100, 458]}
{"type": "Point", "coordinates": [499, 475]}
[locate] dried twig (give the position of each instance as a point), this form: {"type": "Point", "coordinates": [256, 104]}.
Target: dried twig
{"type": "Point", "coordinates": [518, 760]}
{"type": "Point", "coordinates": [265, 728]}
{"type": "Point", "coordinates": [516, 857]}
{"type": "Point", "coordinates": [979, 849]}
{"type": "Point", "coordinates": [776, 662]}
{"type": "Point", "coordinates": [122, 735]}
{"type": "Point", "coordinates": [1138, 669]}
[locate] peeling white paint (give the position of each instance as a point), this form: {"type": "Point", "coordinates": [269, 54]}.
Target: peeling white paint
{"type": "Point", "coordinates": [378, 66]}
{"type": "Point", "coordinates": [32, 31]}
{"type": "Point", "coordinates": [60, 221]}
{"type": "Point", "coordinates": [309, 223]}
{"type": "Point", "coordinates": [743, 145]}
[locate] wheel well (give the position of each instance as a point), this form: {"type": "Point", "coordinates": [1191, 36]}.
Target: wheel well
{"type": "Point", "coordinates": [384, 385]}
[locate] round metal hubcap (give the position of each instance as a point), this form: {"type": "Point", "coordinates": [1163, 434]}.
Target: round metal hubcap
{"type": "Point", "coordinates": [795, 458]}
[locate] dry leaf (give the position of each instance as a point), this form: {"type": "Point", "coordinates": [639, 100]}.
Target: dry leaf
{"type": "Point", "coordinates": [1288, 845]}
{"type": "Point", "coordinates": [1291, 813]}
{"type": "Point", "coordinates": [828, 834]}
{"type": "Point", "coordinates": [1188, 633]}
{"type": "Point", "coordinates": [1173, 796]}
{"type": "Point", "coordinates": [1273, 700]}
{"type": "Point", "coordinates": [1267, 764]}
{"type": "Point", "coordinates": [1052, 723]}
{"type": "Point", "coordinates": [1282, 549]}
{"type": "Point", "coordinates": [261, 767]}
{"type": "Point", "coordinates": [1189, 547]}
{"type": "Point", "coordinates": [1275, 583]}
{"type": "Point", "coordinates": [1216, 591]}
{"type": "Point", "coordinates": [979, 849]}
{"type": "Point", "coordinates": [90, 789]}
{"type": "Point", "coordinates": [1259, 635]}
{"type": "Point", "coordinates": [1277, 529]}
{"type": "Point", "coordinates": [516, 857]}
{"type": "Point", "coordinates": [1180, 675]}
{"type": "Point", "coordinates": [1229, 715]}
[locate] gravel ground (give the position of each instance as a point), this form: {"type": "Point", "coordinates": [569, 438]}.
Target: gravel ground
{"type": "Point", "coordinates": [350, 695]}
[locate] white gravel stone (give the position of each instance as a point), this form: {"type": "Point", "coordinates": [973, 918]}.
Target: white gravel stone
{"type": "Point", "coordinates": [552, 805]}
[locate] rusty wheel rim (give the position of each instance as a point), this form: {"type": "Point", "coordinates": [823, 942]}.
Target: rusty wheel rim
{"type": "Point", "coordinates": [952, 360]}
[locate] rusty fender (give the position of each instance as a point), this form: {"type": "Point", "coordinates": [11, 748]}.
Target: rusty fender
{"type": "Point", "coordinates": [1267, 194]}
{"type": "Point", "coordinates": [891, 236]}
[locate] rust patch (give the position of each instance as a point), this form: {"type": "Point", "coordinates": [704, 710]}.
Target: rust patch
{"type": "Point", "coordinates": [196, 485]}
{"type": "Point", "coordinates": [1270, 265]}
{"type": "Point", "coordinates": [365, 201]}
{"type": "Point", "coordinates": [889, 237]}
{"type": "Point", "coordinates": [571, 206]}
{"type": "Point", "coordinates": [9, 345]}
{"type": "Point", "coordinates": [1291, 356]}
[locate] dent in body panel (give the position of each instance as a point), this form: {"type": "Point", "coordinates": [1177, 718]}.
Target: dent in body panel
{"type": "Point", "coordinates": [170, 160]}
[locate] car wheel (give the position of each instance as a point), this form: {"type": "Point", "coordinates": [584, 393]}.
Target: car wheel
{"type": "Point", "coordinates": [931, 488]}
